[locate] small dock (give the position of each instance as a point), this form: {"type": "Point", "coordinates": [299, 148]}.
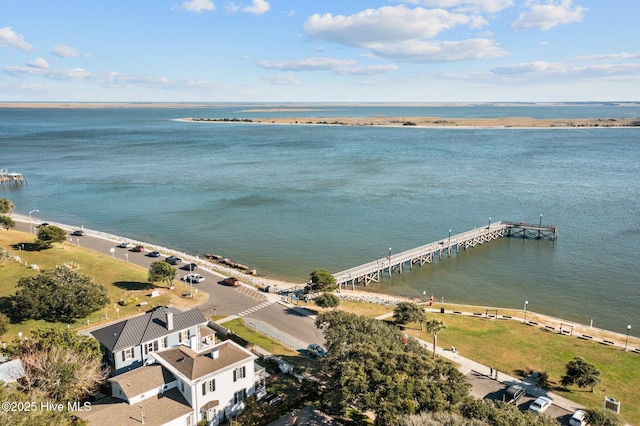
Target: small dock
{"type": "Point", "coordinates": [373, 271]}
{"type": "Point", "coordinates": [11, 178]}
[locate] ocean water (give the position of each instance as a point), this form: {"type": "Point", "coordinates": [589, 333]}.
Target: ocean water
{"type": "Point", "coordinates": [290, 199]}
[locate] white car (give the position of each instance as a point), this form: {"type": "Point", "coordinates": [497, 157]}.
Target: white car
{"type": "Point", "coordinates": [193, 278]}
{"type": "Point", "coordinates": [578, 418]}
{"type": "Point", "coordinates": [540, 405]}
{"type": "Point", "coordinates": [125, 244]}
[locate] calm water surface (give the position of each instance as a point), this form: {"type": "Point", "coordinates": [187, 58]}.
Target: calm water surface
{"type": "Point", "coordinates": [290, 199]}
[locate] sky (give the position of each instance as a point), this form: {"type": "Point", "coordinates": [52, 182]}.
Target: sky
{"type": "Point", "coordinates": [319, 51]}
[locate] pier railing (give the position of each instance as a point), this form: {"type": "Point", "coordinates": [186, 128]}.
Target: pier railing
{"type": "Point", "coordinates": [372, 271]}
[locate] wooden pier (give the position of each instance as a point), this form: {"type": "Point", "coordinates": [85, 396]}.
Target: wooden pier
{"type": "Point", "coordinates": [11, 178]}
{"type": "Point", "coordinates": [373, 271]}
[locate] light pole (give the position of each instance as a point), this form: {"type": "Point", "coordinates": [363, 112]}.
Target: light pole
{"type": "Point", "coordinates": [449, 242]}
{"type": "Point", "coordinates": [526, 302]}
{"type": "Point", "coordinates": [389, 258]}
{"type": "Point", "coordinates": [627, 341]}
{"type": "Point", "coordinates": [31, 220]}
{"type": "Point", "coordinates": [540, 226]}
{"type": "Point", "coordinates": [489, 227]}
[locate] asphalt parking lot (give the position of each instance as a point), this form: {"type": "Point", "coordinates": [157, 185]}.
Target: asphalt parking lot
{"type": "Point", "coordinates": [485, 387]}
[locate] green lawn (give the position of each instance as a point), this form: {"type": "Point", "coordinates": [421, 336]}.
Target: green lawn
{"type": "Point", "coordinates": [122, 280]}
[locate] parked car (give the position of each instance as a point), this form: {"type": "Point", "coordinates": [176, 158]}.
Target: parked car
{"type": "Point", "coordinates": [578, 418]}
{"type": "Point", "coordinates": [174, 260]}
{"type": "Point", "coordinates": [78, 233]}
{"type": "Point", "coordinates": [153, 254]}
{"type": "Point", "coordinates": [513, 394]}
{"type": "Point", "coordinates": [540, 405]}
{"type": "Point", "coordinates": [316, 350]}
{"type": "Point", "coordinates": [43, 224]}
{"type": "Point", "coordinates": [273, 399]}
{"type": "Point", "coordinates": [193, 278]}
{"type": "Point", "coordinates": [231, 281]}
{"type": "Point", "coordinates": [125, 244]}
{"type": "Point", "coordinates": [138, 249]}
{"type": "Point", "coordinates": [190, 266]}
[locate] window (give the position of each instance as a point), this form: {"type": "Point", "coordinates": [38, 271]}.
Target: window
{"type": "Point", "coordinates": [151, 347]}
{"type": "Point", "coordinates": [127, 354]}
{"type": "Point", "coordinates": [239, 373]}
{"type": "Point", "coordinates": [208, 386]}
{"type": "Point", "coordinates": [183, 336]}
{"type": "Point", "coordinates": [165, 342]}
{"type": "Point", "coordinates": [238, 397]}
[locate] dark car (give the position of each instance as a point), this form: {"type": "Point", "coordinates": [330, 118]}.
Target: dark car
{"type": "Point", "coordinates": [78, 233]}
{"type": "Point", "coordinates": [153, 254]}
{"type": "Point", "coordinates": [231, 281]}
{"type": "Point", "coordinates": [138, 249]}
{"type": "Point", "coordinates": [513, 394]}
{"type": "Point", "coordinates": [174, 260]}
{"type": "Point", "coordinates": [190, 266]}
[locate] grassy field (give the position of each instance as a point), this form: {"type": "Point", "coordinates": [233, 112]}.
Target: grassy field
{"type": "Point", "coordinates": [122, 280]}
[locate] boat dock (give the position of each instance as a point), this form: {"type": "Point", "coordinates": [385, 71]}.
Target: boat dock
{"type": "Point", "coordinates": [11, 178]}
{"type": "Point", "coordinates": [374, 270]}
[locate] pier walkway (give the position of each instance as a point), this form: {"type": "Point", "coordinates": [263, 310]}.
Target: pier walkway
{"type": "Point", "coordinates": [374, 270]}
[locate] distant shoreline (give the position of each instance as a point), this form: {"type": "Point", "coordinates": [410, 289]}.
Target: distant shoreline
{"type": "Point", "coordinates": [433, 122]}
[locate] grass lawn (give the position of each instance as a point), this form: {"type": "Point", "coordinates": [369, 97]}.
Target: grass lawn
{"type": "Point", "coordinates": [122, 280]}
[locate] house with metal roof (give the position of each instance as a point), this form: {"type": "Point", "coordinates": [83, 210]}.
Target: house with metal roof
{"type": "Point", "coordinates": [128, 344]}
{"type": "Point", "coordinates": [181, 386]}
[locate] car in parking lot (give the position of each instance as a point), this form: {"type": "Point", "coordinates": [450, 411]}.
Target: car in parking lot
{"type": "Point", "coordinates": [578, 418]}
{"type": "Point", "coordinates": [138, 249]}
{"type": "Point", "coordinates": [125, 244]}
{"type": "Point", "coordinates": [513, 394]}
{"type": "Point", "coordinates": [153, 254]}
{"type": "Point", "coordinates": [231, 281]}
{"type": "Point", "coordinates": [193, 278]}
{"type": "Point", "coordinates": [78, 233]}
{"type": "Point", "coordinates": [540, 405]}
{"type": "Point", "coordinates": [190, 266]}
{"type": "Point", "coordinates": [174, 260]}
{"type": "Point", "coordinates": [316, 350]}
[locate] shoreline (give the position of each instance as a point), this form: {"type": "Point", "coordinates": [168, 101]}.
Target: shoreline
{"type": "Point", "coordinates": [361, 294]}
{"type": "Point", "coordinates": [433, 122]}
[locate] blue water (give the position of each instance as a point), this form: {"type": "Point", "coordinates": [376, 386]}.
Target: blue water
{"type": "Point", "coordinates": [290, 199]}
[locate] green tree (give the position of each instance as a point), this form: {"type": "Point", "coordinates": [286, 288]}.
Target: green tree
{"type": "Point", "coordinates": [407, 312]}
{"type": "Point", "coordinates": [4, 323]}
{"type": "Point", "coordinates": [161, 271]}
{"type": "Point", "coordinates": [322, 280]}
{"type": "Point", "coordinates": [47, 235]}
{"type": "Point", "coordinates": [35, 417]}
{"type": "Point", "coordinates": [59, 294]}
{"type": "Point", "coordinates": [6, 222]}
{"type": "Point", "coordinates": [498, 413]}
{"type": "Point", "coordinates": [6, 206]}
{"type": "Point", "coordinates": [581, 373]}
{"type": "Point", "coordinates": [327, 300]}
{"type": "Point", "coordinates": [601, 417]}
{"type": "Point", "coordinates": [60, 364]}
{"type": "Point", "coordinates": [435, 326]}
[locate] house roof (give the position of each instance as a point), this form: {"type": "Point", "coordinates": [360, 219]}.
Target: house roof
{"type": "Point", "coordinates": [145, 328]}
{"type": "Point", "coordinates": [143, 379]}
{"type": "Point", "coordinates": [157, 410]}
{"type": "Point", "coordinates": [194, 365]}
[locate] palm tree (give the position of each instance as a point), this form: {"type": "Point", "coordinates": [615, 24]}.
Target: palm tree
{"type": "Point", "coordinates": [435, 326]}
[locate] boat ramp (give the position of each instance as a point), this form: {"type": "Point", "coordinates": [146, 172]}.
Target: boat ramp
{"type": "Point", "coordinates": [374, 270]}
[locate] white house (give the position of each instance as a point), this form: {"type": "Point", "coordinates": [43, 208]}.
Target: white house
{"type": "Point", "coordinates": [181, 386]}
{"type": "Point", "coordinates": [128, 344]}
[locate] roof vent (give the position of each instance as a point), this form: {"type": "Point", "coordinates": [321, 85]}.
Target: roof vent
{"type": "Point", "coordinates": [215, 354]}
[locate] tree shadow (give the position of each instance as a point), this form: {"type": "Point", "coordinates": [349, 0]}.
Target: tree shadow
{"type": "Point", "coordinates": [134, 285]}
{"type": "Point", "coordinates": [27, 247]}
{"type": "Point", "coordinates": [7, 309]}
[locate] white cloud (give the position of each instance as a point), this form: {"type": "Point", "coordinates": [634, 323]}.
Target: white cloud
{"type": "Point", "coordinates": [258, 8]}
{"type": "Point", "coordinates": [309, 64]}
{"type": "Point", "coordinates": [9, 38]}
{"type": "Point", "coordinates": [611, 56]}
{"type": "Point", "coordinates": [549, 15]}
{"type": "Point", "coordinates": [542, 69]}
{"type": "Point", "coordinates": [367, 70]}
{"type": "Point", "coordinates": [38, 63]}
{"type": "Point", "coordinates": [384, 25]}
{"type": "Point", "coordinates": [65, 51]}
{"type": "Point", "coordinates": [198, 5]}
{"type": "Point", "coordinates": [282, 80]}
{"type": "Point", "coordinates": [445, 51]}
{"type": "Point", "coordinates": [54, 74]}
{"type": "Point", "coordinates": [478, 6]}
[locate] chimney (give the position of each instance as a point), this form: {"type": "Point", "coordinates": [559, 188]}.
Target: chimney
{"type": "Point", "coordinates": [215, 354]}
{"type": "Point", "coordinates": [169, 320]}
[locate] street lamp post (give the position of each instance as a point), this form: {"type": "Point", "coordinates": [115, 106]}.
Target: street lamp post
{"type": "Point", "coordinates": [489, 227]}
{"type": "Point", "coordinates": [449, 242]}
{"type": "Point", "coordinates": [526, 302]}
{"type": "Point", "coordinates": [540, 226]}
{"type": "Point", "coordinates": [31, 220]}
{"type": "Point", "coordinates": [389, 259]}
{"type": "Point", "coordinates": [627, 341]}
